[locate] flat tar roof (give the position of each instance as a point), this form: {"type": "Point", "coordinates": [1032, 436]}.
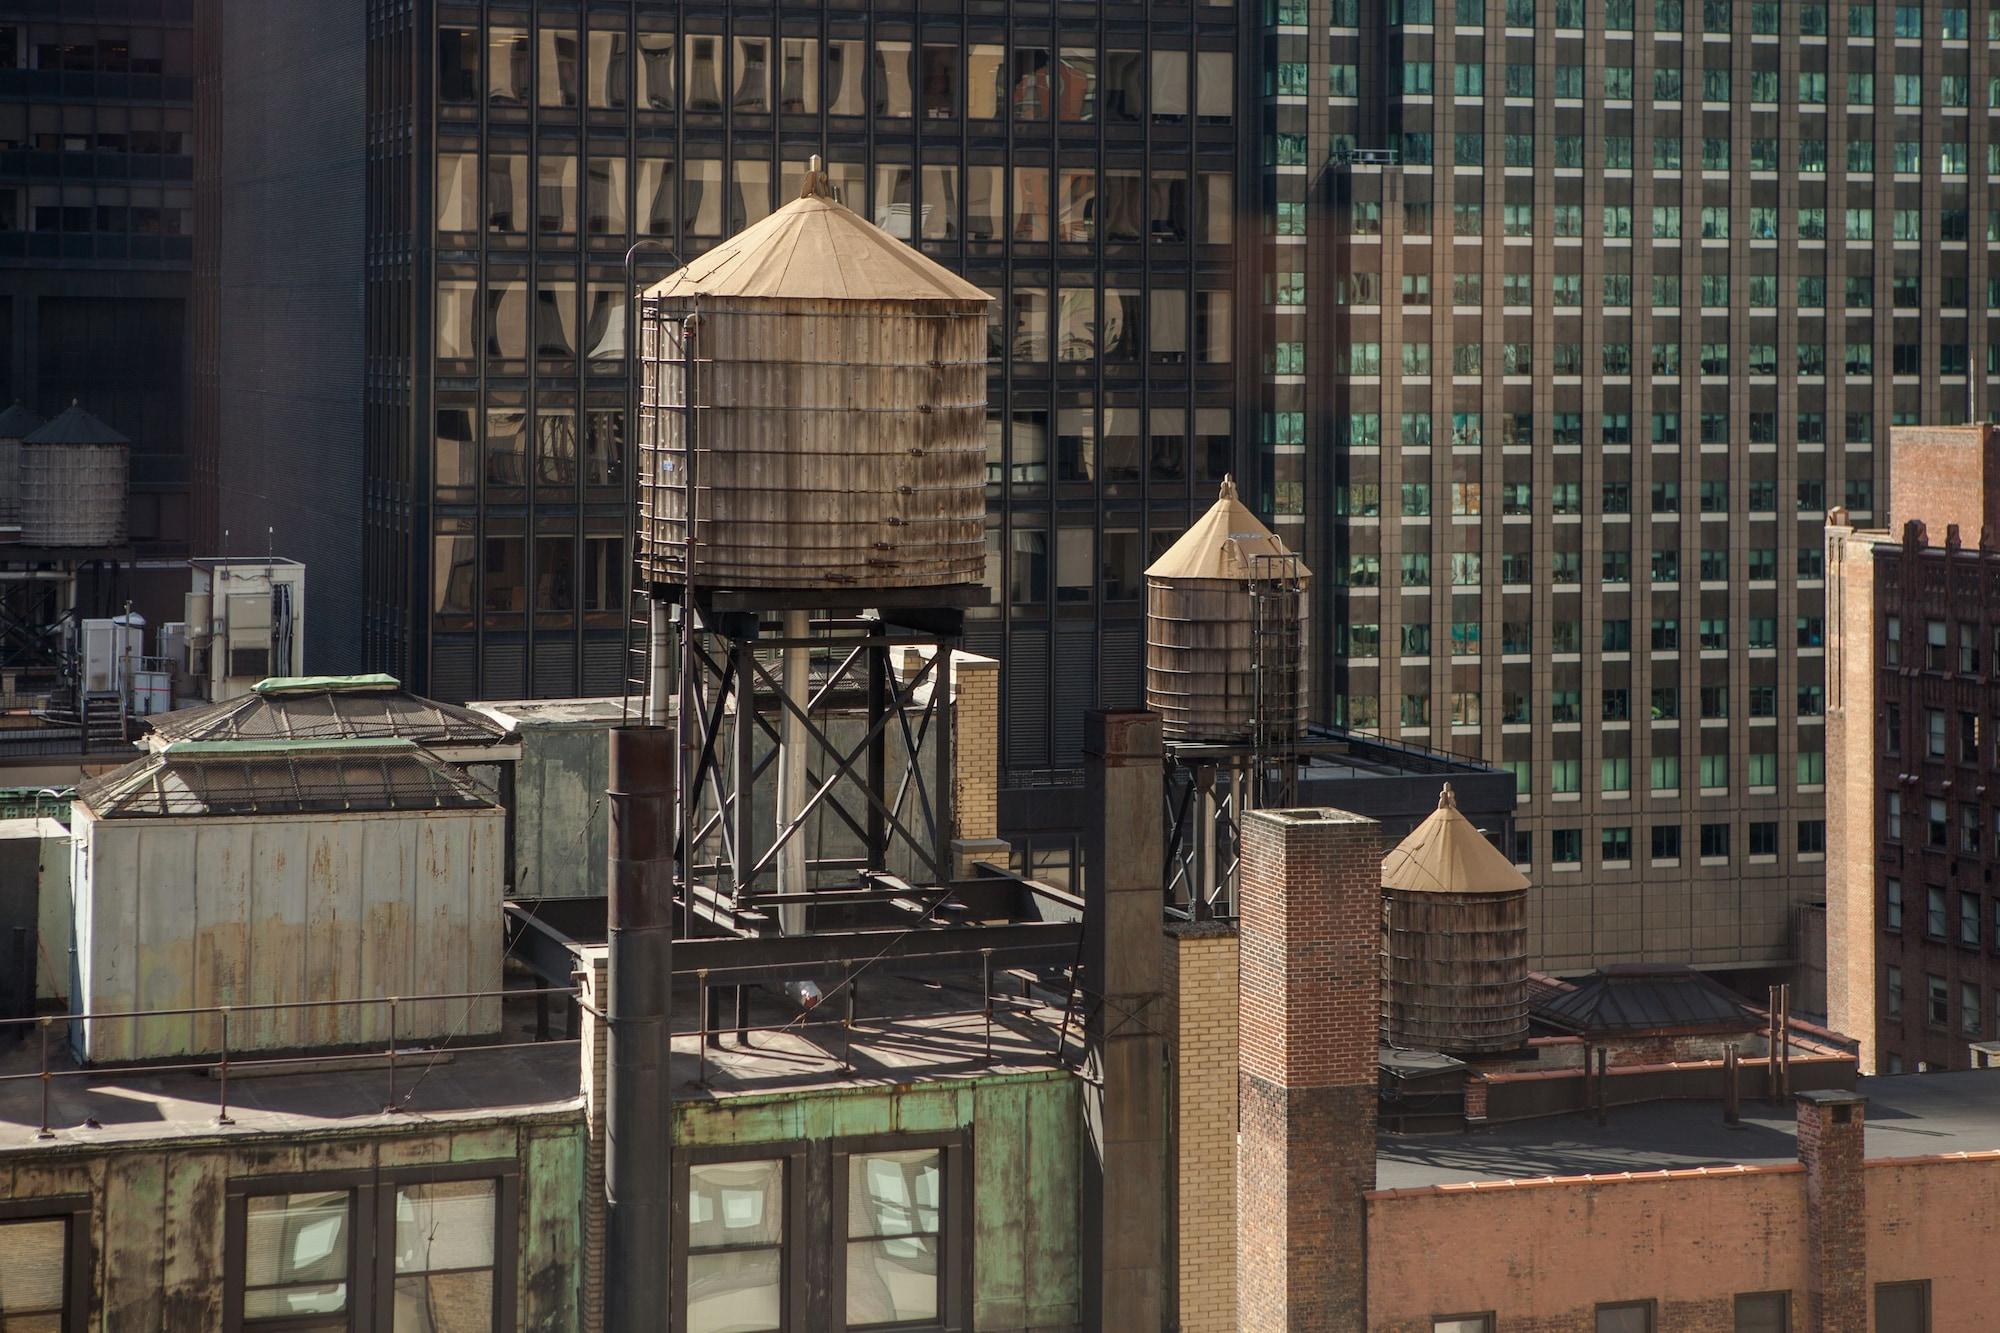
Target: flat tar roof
{"type": "Point", "coordinates": [1909, 1115]}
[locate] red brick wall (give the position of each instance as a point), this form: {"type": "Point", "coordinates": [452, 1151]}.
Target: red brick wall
{"type": "Point", "coordinates": [1309, 994]}
{"type": "Point", "coordinates": [1943, 475]}
{"type": "Point", "coordinates": [1939, 1218]}
{"type": "Point", "coordinates": [1830, 1141]}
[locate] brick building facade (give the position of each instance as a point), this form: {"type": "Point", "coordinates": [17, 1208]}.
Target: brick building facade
{"type": "Point", "coordinates": [1913, 921]}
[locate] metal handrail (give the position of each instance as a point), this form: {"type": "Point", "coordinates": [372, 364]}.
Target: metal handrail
{"type": "Point", "coordinates": [224, 1062]}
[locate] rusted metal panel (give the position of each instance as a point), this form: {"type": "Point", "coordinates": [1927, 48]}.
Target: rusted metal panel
{"type": "Point", "coordinates": [184, 913]}
{"type": "Point", "coordinates": [550, 1286]}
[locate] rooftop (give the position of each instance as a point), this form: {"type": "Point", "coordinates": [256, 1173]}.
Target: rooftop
{"type": "Point", "coordinates": [220, 778]}
{"type": "Point", "coordinates": [295, 1097]}
{"type": "Point", "coordinates": [1909, 1115]}
{"type": "Point", "coordinates": [327, 708]}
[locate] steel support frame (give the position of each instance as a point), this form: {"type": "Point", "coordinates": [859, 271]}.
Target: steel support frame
{"type": "Point", "coordinates": [737, 702]}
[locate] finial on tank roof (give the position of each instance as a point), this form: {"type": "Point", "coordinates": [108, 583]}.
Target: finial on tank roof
{"type": "Point", "coordinates": [1446, 800]}
{"type": "Point", "coordinates": [814, 183]}
{"type": "Point", "coordinates": [1228, 489]}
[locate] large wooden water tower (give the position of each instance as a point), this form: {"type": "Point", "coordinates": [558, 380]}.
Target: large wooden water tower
{"type": "Point", "coordinates": [811, 509]}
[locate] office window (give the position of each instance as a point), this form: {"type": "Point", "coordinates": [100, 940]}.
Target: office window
{"type": "Point", "coordinates": [1968, 919]}
{"type": "Point", "coordinates": [1937, 1000]}
{"type": "Point", "coordinates": [1763, 1312]}
{"type": "Point", "coordinates": [42, 1274]}
{"type": "Point", "coordinates": [445, 1254]}
{"type": "Point", "coordinates": [1625, 1317]}
{"type": "Point", "coordinates": [1463, 1323]}
{"type": "Point", "coordinates": [296, 1259]}
{"type": "Point", "coordinates": [1969, 1015]}
{"type": "Point", "coordinates": [1715, 841]}
{"type": "Point", "coordinates": [735, 1246]}
{"type": "Point", "coordinates": [894, 1221]}
{"type": "Point", "coordinates": [1893, 911]}
{"type": "Point", "coordinates": [1893, 982]}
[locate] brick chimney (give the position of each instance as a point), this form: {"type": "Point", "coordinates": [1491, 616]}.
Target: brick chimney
{"type": "Point", "coordinates": [1830, 1142]}
{"type": "Point", "coordinates": [1310, 922]}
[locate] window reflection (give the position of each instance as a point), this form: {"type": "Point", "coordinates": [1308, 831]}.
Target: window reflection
{"type": "Point", "coordinates": [1076, 444]}
{"type": "Point", "coordinates": [798, 75]}
{"type": "Point", "coordinates": [656, 196]}
{"type": "Point", "coordinates": [940, 203]}
{"type": "Point", "coordinates": [1031, 324]}
{"type": "Point", "coordinates": [844, 76]}
{"type": "Point", "coordinates": [558, 74]}
{"type": "Point", "coordinates": [1028, 83]}
{"type": "Point", "coordinates": [1122, 96]}
{"type": "Point", "coordinates": [506, 318]}
{"type": "Point", "coordinates": [656, 71]}
{"type": "Point", "coordinates": [555, 195]}
{"type": "Point", "coordinates": [555, 446]}
{"type": "Point", "coordinates": [1125, 206]}
{"type": "Point", "coordinates": [555, 319]}
{"type": "Point", "coordinates": [458, 192]}
{"type": "Point", "coordinates": [985, 202]}
{"type": "Point", "coordinates": [1077, 332]}
{"type": "Point", "coordinates": [1167, 206]}
{"type": "Point", "coordinates": [604, 324]}
{"type": "Point", "coordinates": [1167, 325]}
{"type": "Point", "coordinates": [507, 64]}
{"type": "Point", "coordinates": [456, 457]}
{"type": "Point", "coordinates": [704, 73]}
{"type": "Point", "coordinates": [604, 446]}
{"type": "Point", "coordinates": [506, 447]}
{"type": "Point", "coordinates": [555, 574]}
{"type": "Point", "coordinates": [458, 66]}
{"type": "Point", "coordinates": [1076, 204]}
{"type": "Point", "coordinates": [1118, 450]}
{"type": "Point", "coordinates": [752, 93]}
{"type": "Point", "coordinates": [505, 582]}
{"type": "Point", "coordinates": [892, 79]}
{"type": "Point", "coordinates": [985, 81]}
{"type": "Point", "coordinates": [1028, 571]}
{"type": "Point", "coordinates": [445, 1255]}
{"type": "Point", "coordinates": [507, 192]}
{"type": "Point", "coordinates": [457, 318]}
{"type": "Point", "coordinates": [1031, 203]}
{"type": "Point", "coordinates": [940, 81]}
{"type": "Point", "coordinates": [1215, 87]}
{"type": "Point", "coordinates": [1166, 444]}
{"type": "Point", "coordinates": [1170, 86]}
{"type": "Point", "coordinates": [610, 71]}
{"type": "Point", "coordinates": [750, 195]}
{"type": "Point", "coordinates": [701, 205]}
{"type": "Point", "coordinates": [295, 1256]}
{"type": "Point", "coordinates": [893, 185]}
{"type": "Point", "coordinates": [735, 1243]}
{"type": "Point", "coordinates": [454, 576]}
{"type": "Point", "coordinates": [605, 207]}
{"type": "Point", "coordinates": [1218, 208]}
{"type": "Point", "coordinates": [1119, 340]}
{"type": "Point", "coordinates": [1076, 100]}
{"type": "Point", "coordinates": [605, 577]}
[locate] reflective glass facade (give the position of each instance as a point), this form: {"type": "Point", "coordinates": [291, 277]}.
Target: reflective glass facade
{"type": "Point", "coordinates": [1080, 162]}
{"type": "Point", "coordinates": [1614, 300]}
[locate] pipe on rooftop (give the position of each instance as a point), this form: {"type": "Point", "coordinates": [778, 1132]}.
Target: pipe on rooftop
{"type": "Point", "coordinates": [637, 1170]}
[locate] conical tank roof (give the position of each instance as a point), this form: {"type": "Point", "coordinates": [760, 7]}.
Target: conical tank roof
{"type": "Point", "coordinates": [1221, 544]}
{"type": "Point", "coordinates": [816, 249]}
{"type": "Point", "coordinates": [75, 426]}
{"type": "Point", "coordinates": [18, 423]}
{"type": "Point", "coordinates": [1446, 854]}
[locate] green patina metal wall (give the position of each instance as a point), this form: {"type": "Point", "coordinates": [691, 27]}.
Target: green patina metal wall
{"type": "Point", "coordinates": [1024, 1143]}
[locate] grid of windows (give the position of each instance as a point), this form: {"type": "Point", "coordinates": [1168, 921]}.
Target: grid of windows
{"type": "Point", "coordinates": [1088, 179]}
{"type": "Point", "coordinates": [1705, 277]}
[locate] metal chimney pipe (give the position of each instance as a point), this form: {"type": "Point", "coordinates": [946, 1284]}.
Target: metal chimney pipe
{"type": "Point", "coordinates": [637, 1172]}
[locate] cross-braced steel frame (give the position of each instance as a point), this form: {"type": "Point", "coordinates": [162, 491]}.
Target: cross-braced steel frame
{"type": "Point", "coordinates": [738, 704]}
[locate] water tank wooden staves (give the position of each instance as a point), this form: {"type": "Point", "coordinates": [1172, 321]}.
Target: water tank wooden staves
{"type": "Point", "coordinates": [73, 473]}
{"type": "Point", "coordinates": [1454, 940]}
{"type": "Point", "coordinates": [16, 424]}
{"type": "Point", "coordinates": [1225, 631]}
{"type": "Point", "coordinates": [840, 410]}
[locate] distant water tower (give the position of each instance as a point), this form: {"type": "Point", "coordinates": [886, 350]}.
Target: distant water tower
{"type": "Point", "coordinates": [73, 476]}
{"type": "Point", "coordinates": [1455, 940]}
{"type": "Point", "coordinates": [1225, 631]}
{"type": "Point", "coordinates": [811, 499]}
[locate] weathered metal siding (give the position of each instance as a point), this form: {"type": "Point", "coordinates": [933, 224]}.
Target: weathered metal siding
{"type": "Point", "coordinates": [1024, 1139]}
{"type": "Point", "coordinates": [187, 913]}
{"type": "Point", "coordinates": [560, 820]}
{"type": "Point", "coordinates": [38, 849]}
{"type": "Point", "coordinates": [158, 1256]}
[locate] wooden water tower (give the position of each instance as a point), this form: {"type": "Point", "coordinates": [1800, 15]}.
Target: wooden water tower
{"type": "Point", "coordinates": [812, 515]}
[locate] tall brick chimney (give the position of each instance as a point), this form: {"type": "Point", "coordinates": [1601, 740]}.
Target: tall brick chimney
{"type": "Point", "coordinates": [1830, 1141]}
{"type": "Point", "coordinates": [1310, 922]}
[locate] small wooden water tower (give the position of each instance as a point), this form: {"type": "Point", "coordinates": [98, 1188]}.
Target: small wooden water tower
{"type": "Point", "coordinates": [1454, 940]}
{"type": "Point", "coordinates": [1225, 648]}
{"type": "Point", "coordinates": [811, 508]}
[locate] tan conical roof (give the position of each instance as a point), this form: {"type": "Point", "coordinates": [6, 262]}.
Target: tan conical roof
{"type": "Point", "coordinates": [817, 249]}
{"type": "Point", "coordinates": [1221, 544]}
{"type": "Point", "coordinates": [1445, 854]}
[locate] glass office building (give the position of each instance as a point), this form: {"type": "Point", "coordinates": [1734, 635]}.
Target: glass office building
{"type": "Point", "coordinates": [96, 226]}
{"type": "Point", "coordinates": [1082, 162]}
{"type": "Point", "coordinates": [1611, 302]}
